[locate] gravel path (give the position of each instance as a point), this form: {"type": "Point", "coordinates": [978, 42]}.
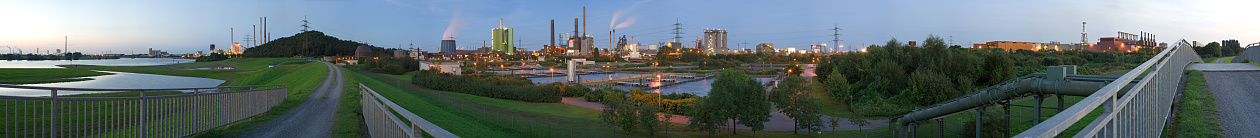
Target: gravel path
{"type": "Point", "coordinates": [312, 119]}
{"type": "Point", "coordinates": [1236, 97]}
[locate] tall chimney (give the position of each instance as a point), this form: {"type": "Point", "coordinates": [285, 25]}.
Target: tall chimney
{"type": "Point", "coordinates": [577, 41]}
{"type": "Point", "coordinates": [553, 32]}
{"type": "Point", "coordinates": [583, 20]}
{"type": "Point", "coordinates": [265, 36]}
{"type": "Point", "coordinates": [255, 35]}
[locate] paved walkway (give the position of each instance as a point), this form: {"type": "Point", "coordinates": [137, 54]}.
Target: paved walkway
{"type": "Point", "coordinates": [1236, 99]}
{"type": "Point", "coordinates": [1223, 67]}
{"type": "Point", "coordinates": [312, 119]}
{"type": "Point", "coordinates": [778, 121]}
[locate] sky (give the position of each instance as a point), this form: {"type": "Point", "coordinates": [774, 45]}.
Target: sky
{"type": "Point", "coordinates": [187, 26]}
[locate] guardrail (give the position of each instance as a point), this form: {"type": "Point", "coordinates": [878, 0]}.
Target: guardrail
{"type": "Point", "coordinates": [143, 116]}
{"type": "Point", "coordinates": [383, 118]}
{"type": "Point", "coordinates": [1141, 112]}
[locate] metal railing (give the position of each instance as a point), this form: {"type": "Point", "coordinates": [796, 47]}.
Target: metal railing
{"type": "Point", "coordinates": [176, 112]}
{"type": "Point", "coordinates": [383, 118]}
{"type": "Point", "coordinates": [1140, 112]}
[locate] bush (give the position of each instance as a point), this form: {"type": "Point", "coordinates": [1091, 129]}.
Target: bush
{"type": "Point", "coordinates": [488, 85]}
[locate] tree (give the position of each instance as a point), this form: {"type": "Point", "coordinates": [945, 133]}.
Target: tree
{"type": "Point", "coordinates": [1213, 49]}
{"type": "Point", "coordinates": [706, 116]}
{"type": "Point", "coordinates": [928, 87]}
{"type": "Point", "coordinates": [855, 119]}
{"type": "Point", "coordinates": [796, 103]}
{"type": "Point", "coordinates": [838, 87]}
{"type": "Point", "coordinates": [619, 111]}
{"type": "Point", "coordinates": [1000, 67]}
{"type": "Point", "coordinates": [734, 96]}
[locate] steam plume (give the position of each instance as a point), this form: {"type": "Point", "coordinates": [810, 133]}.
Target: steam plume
{"type": "Point", "coordinates": [452, 31]}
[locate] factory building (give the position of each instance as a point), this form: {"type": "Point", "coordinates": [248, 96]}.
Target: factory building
{"type": "Point", "coordinates": [448, 46]}
{"type": "Point", "coordinates": [1012, 45]}
{"type": "Point", "coordinates": [714, 42]}
{"type": "Point", "coordinates": [502, 40]}
{"type": "Point", "coordinates": [765, 48]}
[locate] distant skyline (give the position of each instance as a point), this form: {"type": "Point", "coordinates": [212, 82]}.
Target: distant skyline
{"type": "Point", "coordinates": [128, 26]}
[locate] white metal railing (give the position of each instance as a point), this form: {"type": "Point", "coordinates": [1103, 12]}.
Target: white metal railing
{"type": "Point", "coordinates": [187, 112]}
{"type": "Point", "coordinates": [383, 118]}
{"type": "Point", "coordinates": [1141, 112]}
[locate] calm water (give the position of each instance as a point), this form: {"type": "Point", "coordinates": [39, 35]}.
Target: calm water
{"type": "Point", "coordinates": [102, 62]}
{"type": "Point", "coordinates": [120, 80]}
{"type": "Point", "coordinates": [583, 77]}
{"type": "Point", "coordinates": [700, 88]}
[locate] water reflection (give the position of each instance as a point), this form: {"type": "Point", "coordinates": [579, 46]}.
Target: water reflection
{"type": "Point", "coordinates": [119, 80]}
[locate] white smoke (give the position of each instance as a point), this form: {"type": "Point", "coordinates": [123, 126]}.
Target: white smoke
{"type": "Point", "coordinates": [452, 31]}
{"type": "Point", "coordinates": [623, 24]}
{"type": "Point", "coordinates": [627, 23]}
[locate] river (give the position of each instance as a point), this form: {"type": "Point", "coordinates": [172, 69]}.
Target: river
{"type": "Point", "coordinates": [99, 62]}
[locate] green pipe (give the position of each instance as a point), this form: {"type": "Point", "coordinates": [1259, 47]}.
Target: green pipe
{"type": "Point", "coordinates": [1032, 84]}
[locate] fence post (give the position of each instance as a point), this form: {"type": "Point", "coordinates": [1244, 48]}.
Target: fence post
{"type": "Point", "coordinates": [53, 124]}
{"type": "Point", "coordinates": [143, 118]}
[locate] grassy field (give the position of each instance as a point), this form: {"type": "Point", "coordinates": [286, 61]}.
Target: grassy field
{"type": "Point", "coordinates": [570, 115]}
{"type": "Point", "coordinates": [245, 67]}
{"type": "Point", "coordinates": [1229, 60]}
{"type": "Point", "coordinates": [44, 75]}
{"type": "Point", "coordinates": [349, 118]}
{"type": "Point", "coordinates": [302, 79]}
{"type": "Point", "coordinates": [459, 124]}
{"type": "Point", "coordinates": [1197, 114]}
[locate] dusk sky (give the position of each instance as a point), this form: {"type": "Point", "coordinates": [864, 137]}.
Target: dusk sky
{"type": "Point", "coordinates": [183, 26]}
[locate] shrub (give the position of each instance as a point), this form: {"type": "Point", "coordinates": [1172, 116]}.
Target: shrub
{"type": "Point", "coordinates": [488, 85]}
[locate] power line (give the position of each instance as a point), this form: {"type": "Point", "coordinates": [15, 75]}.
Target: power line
{"type": "Point", "coordinates": [836, 36]}
{"type": "Point", "coordinates": [677, 30]}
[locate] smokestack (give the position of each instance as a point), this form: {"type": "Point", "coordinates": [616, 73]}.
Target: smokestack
{"type": "Point", "coordinates": [232, 37]}
{"type": "Point", "coordinates": [255, 34]}
{"type": "Point", "coordinates": [553, 32]}
{"type": "Point", "coordinates": [266, 33]}
{"type": "Point", "coordinates": [583, 20]}
{"type": "Point", "coordinates": [576, 42]}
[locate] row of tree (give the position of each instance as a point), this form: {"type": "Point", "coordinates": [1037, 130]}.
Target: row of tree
{"type": "Point", "coordinates": [1214, 49]}
{"type": "Point", "coordinates": [894, 78]}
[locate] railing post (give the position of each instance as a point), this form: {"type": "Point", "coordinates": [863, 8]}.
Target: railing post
{"type": "Point", "coordinates": [54, 121]}
{"type": "Point", "coordinates": [143, 117]}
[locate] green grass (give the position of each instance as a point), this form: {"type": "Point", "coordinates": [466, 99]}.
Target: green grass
{"type": "Point", "coordinates": [245, 67]}
{"type": "Point", "coordinates": [1197, 114]}
{"type": "Point", "coordinates": [301, 80]}
{"type": "Point", "coordinates": [459, 124]}
{"type": "Point", "coordinates": [1229, 60]}
{"type": "Point", "coordinates": [44, 75]}
{"type": "Point", "coordinates": [546, 109]}
{"type": "Point", "coordinates": [349, 112]}
{"type": "Point", "coordinates": [553, 110]}
{"type": "Point", "coordinates": [830, 106]}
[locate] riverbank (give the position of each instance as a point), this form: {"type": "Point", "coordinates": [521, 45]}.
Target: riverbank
{"type": "Point", "coordinates": [44, 75]}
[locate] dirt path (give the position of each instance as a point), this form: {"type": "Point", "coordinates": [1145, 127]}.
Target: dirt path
{"type": "Point", "coordinates": [312, 119]}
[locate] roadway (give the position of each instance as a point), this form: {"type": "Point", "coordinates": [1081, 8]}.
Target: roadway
{"type": "Point", "coordinates": [312, 119]}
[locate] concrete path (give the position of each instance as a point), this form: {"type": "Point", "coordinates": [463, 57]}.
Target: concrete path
{"type": "Point", "coordinates": [778, 121]}
{"type": "Point", "coordinates": [312, 119]}
{"type": "Point", "coordinates": [1237, 94]}
{"type": "Point", "coordinates": [1223, 67]}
